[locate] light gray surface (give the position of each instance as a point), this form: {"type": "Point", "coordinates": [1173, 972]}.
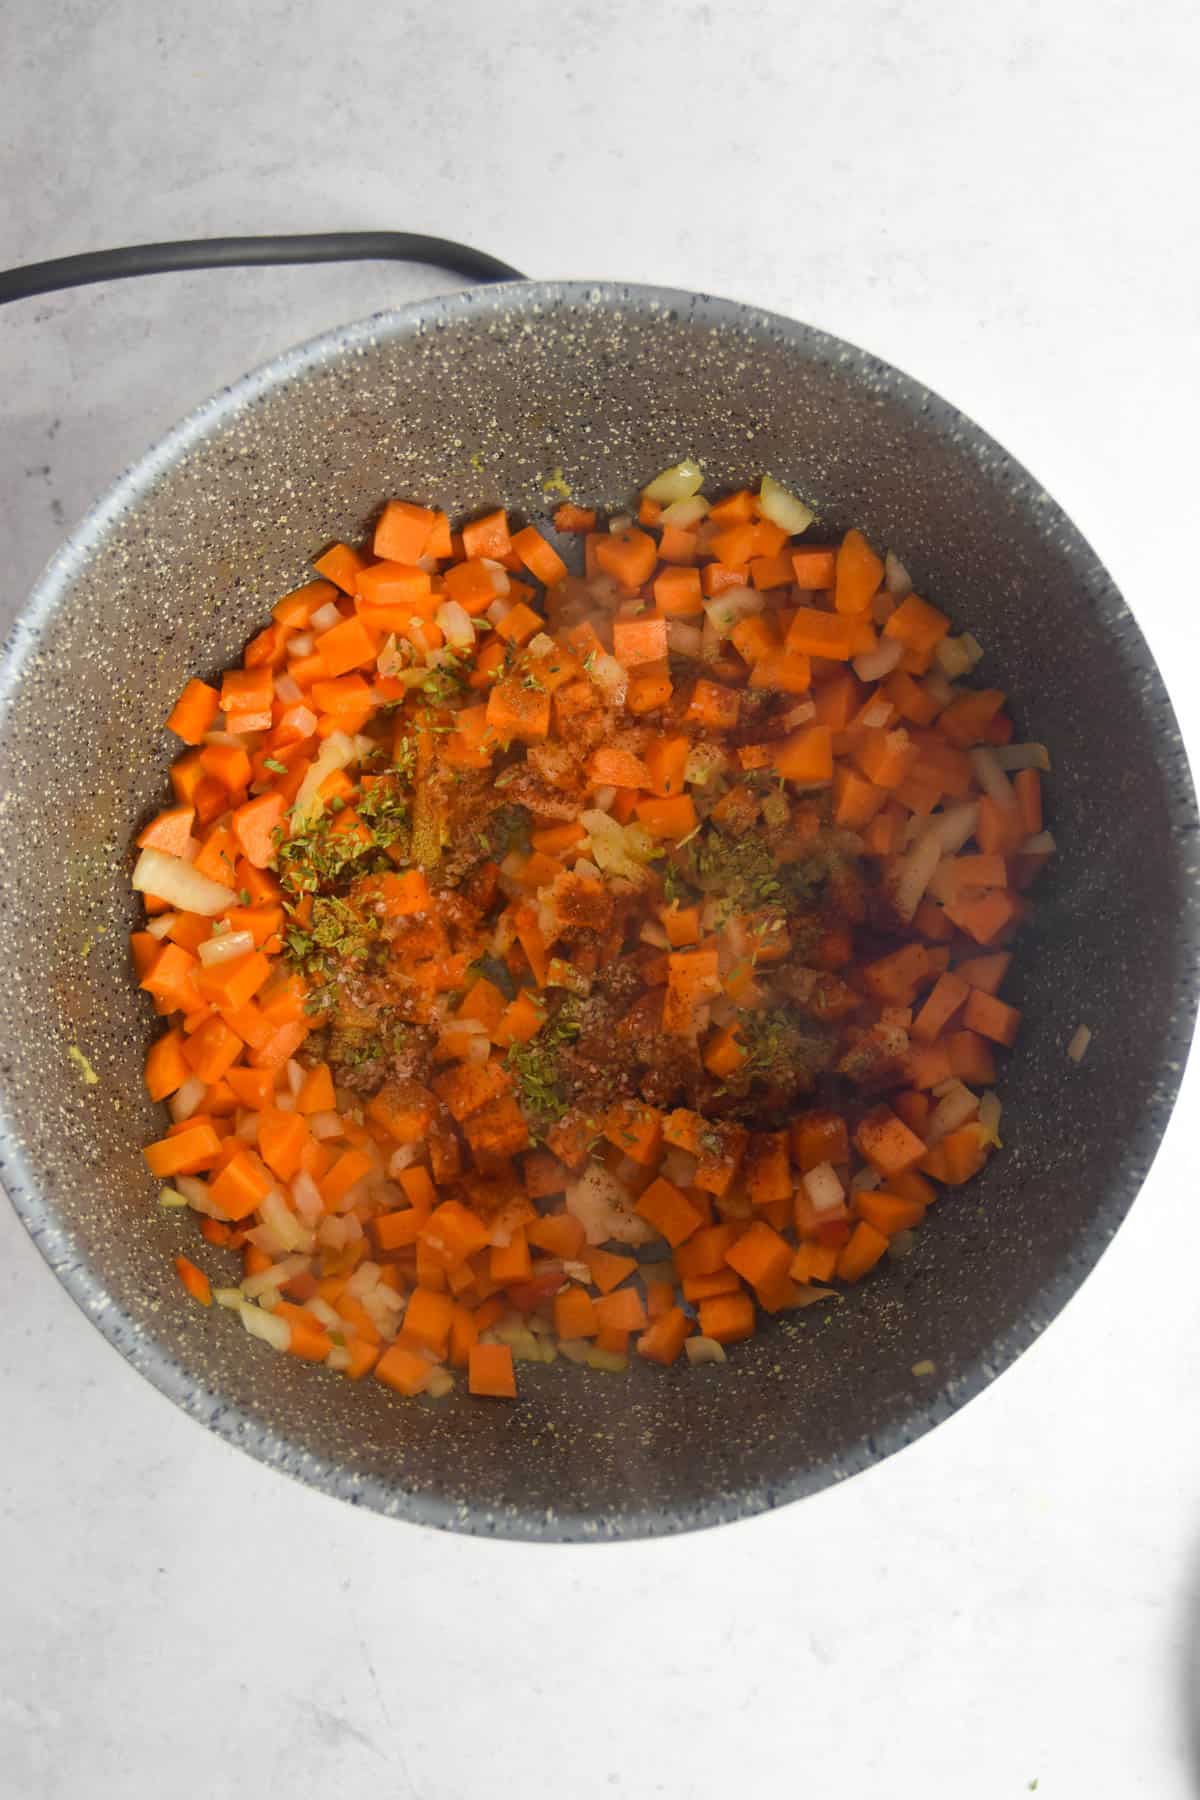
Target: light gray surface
{"type": "Point", "coordinates": [997, 202]}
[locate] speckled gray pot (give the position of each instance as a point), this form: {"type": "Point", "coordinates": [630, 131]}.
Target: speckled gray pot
{"type": "Point", "coordinates": [471, 401]}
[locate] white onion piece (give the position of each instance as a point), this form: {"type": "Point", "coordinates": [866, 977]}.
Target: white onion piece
{"type": "Point", "coordinates": [878, 712]}
{"type": "Point", "coordinates": [914, 873]}
{"type": "Point", "coordinates": [710, 642]}
{"type": "Point", "coordinates": [951, 829]}
{"type": "Point", "coordinates": [605, 798]}
{"type": "Point", "coordinates": [287, 690]}
{"type": "Point", "coordinates": [236, 738]}
{"type": "Point", "coordinates": [878, 663]}
{"type": "Point", "coordinates": [652, 933]}
{"type": "Point", "coordinates": [1040, 844]}
{"type": "Point", "coordinates": [1081, 1037]}
{"type": "Point", "coordinates": [260, 1324]}
{"type": "Point", "coordinates": [295, 1075]}
{"type": "Point", "coordinates": [321, 1309]}
{"type": "Point", "coordinates": [679, 1166]}
{"type": "Point", "coordinates": [325, 618]}
{"type": "Point", "coordinates": [403, 1158]}
{"type": "Point", "coordinates": [986, 769]}
{"type": "Point", "coordinates": [306, 1198]}
{"type": "Point", "coordinates": [498, 610]}
{"type": "Point", "coordinates": [186, 1099]}
{"type": "Point", "coordinates": [247, 1128]}
{"type": "Point", "coordinates": [682, 638]}
{"type": "Point", "coordinates": [620, 522]}
{"type": "Point", "coordinates": [679, 482]}
{"type": "Point", "coordinates": [989, 1117]}
{"type": "Point", "coordinates": [952, 1110]}
{"type": "Point", "coordinates": [325, 1125]}
{"type": "Point", "coordinates": [456, 625]}
{"type": "Point", "coordinates": [724, 611]}
{"type": "Point", "coordinates": [364, 1278]}
{"type": "Point", "coordinates": [301, 644]}
{"type": "Point", "coordinates": [684, 514]}
{"type": "Point", "coordinates": [823, 1188]}
{"type": "Point", "coordinates": [895, 576]}
{"type": "Point", "coordinates": [938, 688]}
{"type": "Point", "coordinates": [336, 752]}
{"type": "Point", "coordinates": [227, 946]}
{"type": "Point", "coordinates": [610, 676]}
{"type": "Point", "coordinates": [800, 714]}
{"type": "Point", "coordinates": [605, 1209]}
{"type": "Point", "coordinates": [1023, 756]}
{"type": "Point", "coordinates": [274, 1277]}
{"type": "Point", "coordinates": [865, 1181]}
{"type": "Point", "coordinates": [285, 1102]}
{"type": "Point", "coordinates": [783, 508]}
{"type": "Point", "coordinates": [498, 573]}
{"type": "Point", "coordinates": [159, 927]}
{"type": "Point", "coordinates": [176, 882]}
{"type": "Point", "coordinates": [704, 1350]}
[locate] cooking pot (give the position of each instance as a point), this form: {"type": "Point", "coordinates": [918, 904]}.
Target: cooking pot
{"type": "Point", "coordinates": [500, 395]}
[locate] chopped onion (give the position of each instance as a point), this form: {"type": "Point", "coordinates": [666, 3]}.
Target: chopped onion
{"type": "Point", "coordinates": [286, 1102]}
{"type": "Point", "coordinates": [226, 947]}
{"type": "Point", "coordinates": [610, 677]}
{"type": "Point", "coordinates": [684, 514]}
{"type": "Point", "coordinates": [402, 1158]}
{"type": "Point", "coordinates": [278, 1218]}
{"type": "Point", "coordinates": [783, 508]}
{"type": "Point", "coordinates": [954, 1108]}
{"type": "Point", "coordinates": [264, 1325]}
{"type": "Point", "coordinates": [228, 1297]}
{"type": "Point", "coordinates": [274, 1277]}
{"type": "Point", "coordinates": [159, 927]}
{"type": "Point", "coordinates": [186, 1099]}
{"type": "Point", "coordinates": [823, 1188]}
{"type": "Point", "coordinates": [336, 752]}
{"type": "Point", "coordinates": [171, 1197]}
{"type": "Point", "coordinates": [725, 610]}
{"type": "Point", "coordinates": [439, 1384]}
{"type": "Point", "coordinates": [1023, 756]}
{"type": "Point", "coordinates": [682, 638]}
{"type": "Point", "coordinates": [1078, 1046]}
{"type": "Point", "coordinates": [295, 1075]}
{"type": "Point", "coordinates": [653, 933]}
{"type": "Point", "coordinates": [605, 1209]}
{"type": "Point", "coordinates": [325, 1125]}
{"type": "Point", "coordinates": [325, 617]}
{"type": "Point", "coordinates": [958, 656]}
{"type": "Point", "coordinates": [679, 482]}
{"type": "Point", "coordinates": [951, 829]}
{"type": "Point", "coordinates": [288, 690]}
{"type": "Point", "coordinates": [800, 714]}
{"type": "Point", "coordinates": [605, 798]}
{"type": "Point", "coordinates": [878, 663]}
{"type": "Point", "coordinates": [498, 573]}
{"type": "Point", "coordinates": [704, 1350]}
{"type": "Point", "coordinates": [234, 738]}
{"type": "Point", "coordinates": [986, 769]}
{"type": "Point", "coordinates": [300, 645]}
{"type": "Point", "coordinates": [620, 522]}
{"type": "Point", "coordinates": [865, 1181]}
{"type": "Point", "coordinates": [877, 713]}
{"type": "Point", "coordinates": [938, 688]}
{"type": "Point", "coordinates": [456, 625]}
{"type": "Point", "coordinates": [498, 610]}
{"type": "Point", "coordinates": [703, 762]}
{"type": "Point", "coordinates": [679, 1166]}
{"type": "Point", "coordinates": [176, 882]}
{"type": "Point", "coordinates": [247, 1128]}
{"type": "Point", "coordinates": [321, 1309]}
{"type": "Point", "coordinates": [338, 1358]}
{"type": "Point", "coordinates": [363, 1280]}
{"type": "Point", "coordinates": [895, 576]}
{"type": "Point", "coordinates": [306, 1198]}
{"type": "Point", "coordinates": [914, 873]}
{"type": "Point", "coordinates": [1040, 844]}
{"type": "Point", "coordinates": [989, 1117]}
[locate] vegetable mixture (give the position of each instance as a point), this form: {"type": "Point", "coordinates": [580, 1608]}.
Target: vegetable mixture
{"type": "Point", "coordinates": [563, 963]}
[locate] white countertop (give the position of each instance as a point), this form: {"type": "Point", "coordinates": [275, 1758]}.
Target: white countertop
{"type": "Point", "coordinates": [1000, 201]}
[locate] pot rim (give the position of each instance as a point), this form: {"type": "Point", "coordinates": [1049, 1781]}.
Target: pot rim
{"type": "Point", "coordinates": [268, 1446]}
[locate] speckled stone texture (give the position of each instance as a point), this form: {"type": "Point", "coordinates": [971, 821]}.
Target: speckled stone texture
{"type": "Point", "coordinates": [471, 401]}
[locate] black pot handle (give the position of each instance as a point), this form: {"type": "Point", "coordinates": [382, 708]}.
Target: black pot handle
{"type": "Point", "coordinates": [247, 252]}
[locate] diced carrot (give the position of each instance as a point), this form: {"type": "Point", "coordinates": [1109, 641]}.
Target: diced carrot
{"type": "Point", "coordinates": [887, 1143]}
{"type": "Point", "coordinates": [540, 558]}
{"type": "Point", "coordinates": [405, 1371]}
{"type": "Point", "coordinates": [858, 573]}
{"type": "Point", "coordinates": [669, 1210]}
{"type": "Point", "coordinates": [727, 1317]}
{"type": "Point", "coordinates": [814, 567]}
{"type": "Point", "coordinates": [861, 1253]}
{"type": "Point", "coordinates": [664, 1338]}
{"type": "Point", "coordinates": [990, 1017]}
{"type": "Point", "coordinates": [491, 1373]}
{"type": "Point", "coordinates": [194, 1280]}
